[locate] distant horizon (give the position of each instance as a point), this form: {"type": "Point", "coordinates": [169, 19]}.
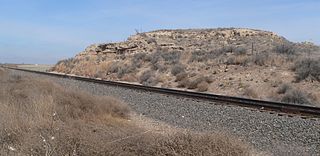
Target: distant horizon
{"type": "Point", "coordinates": [43, 32]}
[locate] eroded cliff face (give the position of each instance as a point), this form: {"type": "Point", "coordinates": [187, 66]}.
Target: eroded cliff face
{"type": "Point", "coordinates": [189, 40]}
{"type": "Point", "coordinates": [231, 61]}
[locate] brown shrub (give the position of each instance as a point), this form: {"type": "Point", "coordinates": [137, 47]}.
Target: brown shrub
{"type": "Point", "coordinates": [129, 78]}
{"type": "Point", "coordinates": [203, 86]}
{"type": "Point", "coordinates": [194, 84]}
{"type": "Point", "coordinates": [241, 60]}
{"type": "Point", "coordinates": [283, 88]}
{"type": "Point", "coordinates": [296, 97]}
{"type": "Point", "coordinates": [183, 83]}
{"type": "Point", "coordinates": [147, 78]}
{"type": "Point", "coordinates": [176, 69]}
{"type": "Point", "coordinates": [307, 68]}
{"type": "Point", "coordinates": [181, 76]}
{"type": "Point", "coordinates": [249, 92]}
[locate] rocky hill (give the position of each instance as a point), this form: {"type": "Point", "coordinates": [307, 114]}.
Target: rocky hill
{"type": "Point", "coordinates": [231, 61]}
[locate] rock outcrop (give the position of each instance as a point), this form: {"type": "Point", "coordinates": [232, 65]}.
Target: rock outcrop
{"type": "Point", "coordinates": [189, 40]}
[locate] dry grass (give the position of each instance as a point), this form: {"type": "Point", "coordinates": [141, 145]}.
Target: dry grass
{"type": "Point", "coordinates": [38, 117]}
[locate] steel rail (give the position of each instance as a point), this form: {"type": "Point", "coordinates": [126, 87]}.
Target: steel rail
{"type": "Point", "coordinates": [287, 108]}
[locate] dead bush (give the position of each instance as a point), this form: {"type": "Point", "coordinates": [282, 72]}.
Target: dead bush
{"type": "Point", "coordinates": [159, 66]}
{"type": "Point", "coordinates": [184, 83]}
{"type": "Point", "coordinates": [171, 57]}
{"type": "Point", "coordinates": [307, 68]}
{"type": "Point", "coordinates": [228, 48]}
{"type": "Point", "coordinates": [198, 56]}
{"type": "Point", "coordinates": [283, 88]}
{"type": "Point", "coordinates": [285, 48]}
{"type": "Point", "coordinates": [260, 59]}
{"type": "Point", "coordinates": [295, 97]}
{"type": "Point", "coordinates": [138, 59]}
{"type": "Point", "coordinates": [203, 86]}
{"type": "Point", "coordinates": [155, 57]}
{"type": "Point", "coordinates": [181, 76]}
{"type": "Point", "coordinates": [147, 78]}
{"type": "Point", "coordinates": [120, 69]}
{"type": "Point", "coordinates": [239, 51]}
{"type": "Point", "coordinates": [194, 84]}
{"type": "Point", "coordinates": [176, 69]}
{"type": "Point", "coordinates": [238, 60]}
{"type": "Point", "coordinates": [129, 78]}
{"type": "Point", "coordinates": [251, 93]}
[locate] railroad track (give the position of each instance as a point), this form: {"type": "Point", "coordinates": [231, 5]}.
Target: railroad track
{"type": "Point", "coordinates": [261, 105]}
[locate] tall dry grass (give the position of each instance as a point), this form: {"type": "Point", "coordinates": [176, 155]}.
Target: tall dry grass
{"type": "Point", "coordinates": [39, 117]}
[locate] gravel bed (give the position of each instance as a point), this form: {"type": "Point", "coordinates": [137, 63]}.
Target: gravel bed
{"type": "Point", "coordinates": [273, 134]}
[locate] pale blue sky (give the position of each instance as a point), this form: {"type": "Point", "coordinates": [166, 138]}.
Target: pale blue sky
{"type": "Point", "coordinates": [44, 31]}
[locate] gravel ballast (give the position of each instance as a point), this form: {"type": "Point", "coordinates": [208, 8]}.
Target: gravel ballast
{"type": "Point", "coordinates": [270, 133]}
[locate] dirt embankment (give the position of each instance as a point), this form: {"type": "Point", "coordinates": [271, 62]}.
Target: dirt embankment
{"type": "Point", "coordinates": [229, 61]}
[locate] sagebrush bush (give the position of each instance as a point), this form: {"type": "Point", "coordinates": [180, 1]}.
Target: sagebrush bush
{"type": "Point", "coordinates": [285, 48]}
{"type": "Point", "coordinates": [194, 84]}
{"type": "Point", "coordinates": [147, 78]}
{"type": "Point", "coordinates": [155, 57]}
{"type": "Point", "coordinates": [120, 69]}
{"type": "Point", "coordinates": [181, 76]}
{"type": "Point", "coordinates": [249, 92]}
{"type": "Point", "coordinates": [238, 60]}
{"type": "Point", "coordinates": [203, 86]}
{"type": "Point", "coordinates": [138, 59]}
{"type": "Point", "coordinates": [239, 51]}
{"type": "Point", "coordinates": [296, 97]}
{"type": "Point", "coordinates": [171, 57]}
{"type": "Point", "coordinates": [228, 48]}
{"type": "Point", "coordinates": [260, 59]}
{"type": "Point", "coordinates": [184, 83]}
{"type": "Point", "coordinates": [199, 56]}
{"type": "Point", "coordinates": [176, 69]}
{"type": "Point", "coordinates": [307, 68]}
{"type": "Point", "coordinates": [283, 88]}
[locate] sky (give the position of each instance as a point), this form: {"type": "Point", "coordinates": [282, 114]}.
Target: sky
{"type": "Point", "coordinates": [45, 31]}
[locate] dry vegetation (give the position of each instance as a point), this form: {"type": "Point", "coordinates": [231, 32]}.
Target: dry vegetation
{"type": "Point", "coordinates": [39, 117]}
{"type": "Point", "coordinates": [224, 61]}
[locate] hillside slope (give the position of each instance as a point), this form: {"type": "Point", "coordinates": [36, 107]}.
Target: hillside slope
{"type": "Point", "coordinates": [231, 61]}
